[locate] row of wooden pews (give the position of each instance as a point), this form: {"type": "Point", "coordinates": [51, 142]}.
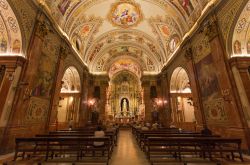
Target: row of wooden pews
{"type": "Point", "coordinates": [67, 146]}
{"type": "Point", "coordinates": [173, 145]}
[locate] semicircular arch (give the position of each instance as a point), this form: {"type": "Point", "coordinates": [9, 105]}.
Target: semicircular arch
{"type": "Point", "coordinates": [179, 82]}
{"type": "Point", "coordinates": [71, 81]}
{"type": "Point", "coordinates": [11, 40]}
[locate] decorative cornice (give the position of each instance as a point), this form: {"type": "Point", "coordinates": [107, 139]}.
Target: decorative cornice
{"type": "Point", "coordinates": [12, 61]}
{"type": "Point", "coordinates": [240, 62]}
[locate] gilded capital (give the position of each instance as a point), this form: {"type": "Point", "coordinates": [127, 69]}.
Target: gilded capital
{"type": "Point", "coordinates": [211, 28]}
{"type": "Point", "coordinates": [63, 52]}
{"type": "Point", "coordinates": [42, 30]}
{"type": "Point", "coordinates": [189, 53]}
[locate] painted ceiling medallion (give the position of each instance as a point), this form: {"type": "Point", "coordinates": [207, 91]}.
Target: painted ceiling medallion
{"type": "Point", "coordinates": [125, 14]}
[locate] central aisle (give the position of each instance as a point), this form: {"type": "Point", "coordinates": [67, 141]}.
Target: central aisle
{"type": "Point", "coordinates": [127, 151]}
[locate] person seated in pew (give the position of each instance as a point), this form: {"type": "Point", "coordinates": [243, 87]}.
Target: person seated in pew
{"type": "Point", "coordinates": [172, 126]}
{"type": "Point", "coordinates": [99, 133]}
{"type": "Point", "coordinates": [111, 127]}
{"type": "Point", "coordinates": [154, 126]}
{"type": "Point", "coordinates": [138, 126]}
{"type": "Point", "coordinates": [71, 123]}
{"type": "Point", "coordinates": [206, 131]}
{"type": "Point", "coordinates": [144, 128]}
{"type": "Point", "coordinates": [148, 124]}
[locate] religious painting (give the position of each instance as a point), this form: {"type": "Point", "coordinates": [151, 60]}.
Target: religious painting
{"type": "Point", "coordinates": [237, 47]}
{"type": "Point", "coordinates": [37, 110]}
{"type": "Point", "coordinates": [187, 6]}
{"type": "Point", "coordinates": [63, 6]}
{"type": "Point", "coordinates": [174, 42]}
{"type": "Point", "coordinates": [16, 48]}
{"type": "Point", "coordinates": [46, 74]}
{"type": "Point", "coordinates": [125, 14]}
{"type": "Point", "coordinates": [3, 43]}
{"type": "Point", "coordinates": [208, 81]}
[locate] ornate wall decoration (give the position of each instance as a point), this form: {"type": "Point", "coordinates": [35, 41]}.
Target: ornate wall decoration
{"type": "Point", "coordinates": [215, 110]}
{"type": "Point", "coordinates": [125, 14]}
{"type": "Point", "coordinates": [201, 47]}
{"type": "Point", "coordinates": [37, 110]}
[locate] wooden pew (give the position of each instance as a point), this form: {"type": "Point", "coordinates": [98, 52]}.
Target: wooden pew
{"type": "Point", "coordinates": [166, 130]}
{"type": "Point", "coordinates": [47, 147]}
{"type": "Point", "coordinates": [141, 134]}
{"type": "Point", "coordinates": [114, 133]}
{"type": "Point", "coordinates": [110, 135]}
{"type": "Point", "coordinates": [145, 136]}
{"type": "Point", "coordinates": [196, 146]}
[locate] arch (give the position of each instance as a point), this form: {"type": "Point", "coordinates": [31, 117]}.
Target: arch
{"type": "Point", "coordinates": [116, 74]}
{"type": "Point", "coordinates": [125, 64]}
{"type": "Point", "coordinates": [239, 42]}
{"type": "Point", "coordinates": [181, 98]}
{"type": "Point", "coordinates": [71, 81]}
{"type": "Point", "coordinates": [179, 82]}
{"type": "Point", "coordinates": [11, 42]}
{"type": "Point", "coordinates": [69, 100]}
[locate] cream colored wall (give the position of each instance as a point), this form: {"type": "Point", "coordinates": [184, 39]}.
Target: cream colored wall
{"type": "Point", "coordinates": [188, 111]}
{"type": "Point", "coordinates": [62, 110]}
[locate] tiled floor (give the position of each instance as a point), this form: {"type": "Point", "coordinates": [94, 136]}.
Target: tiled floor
{"type": "Point", "coordinates": [127, 152]}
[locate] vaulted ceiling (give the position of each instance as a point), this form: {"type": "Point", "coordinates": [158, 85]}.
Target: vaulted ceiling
{"type": "Point", "coordinates": [134, 35]}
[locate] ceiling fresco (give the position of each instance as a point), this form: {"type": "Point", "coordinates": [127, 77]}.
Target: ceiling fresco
{"type": "Point", "coordinates": [125, 64]}
{"type": "Point", "coordinates": [155, 27]}
{"type": "Point", "coordinates": [241, 36]}
{"type": "Point", "coordinates": [10, 34]}
{"type": "Point", "coordinates": [125, 14]}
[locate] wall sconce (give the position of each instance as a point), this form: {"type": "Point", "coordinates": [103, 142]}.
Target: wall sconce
{"type": "Point", "coordinates": [91, 103]}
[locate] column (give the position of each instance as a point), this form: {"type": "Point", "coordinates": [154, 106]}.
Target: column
{"type": "Point", "coordinates": [52, 114]}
